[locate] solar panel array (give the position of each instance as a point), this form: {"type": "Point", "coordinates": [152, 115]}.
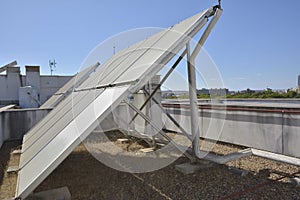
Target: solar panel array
{"type": "Point", "coordinates": [47, 144]}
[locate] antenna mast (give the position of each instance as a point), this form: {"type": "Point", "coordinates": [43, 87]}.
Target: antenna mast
{"type": "Point", "coordinates": [52, 65]}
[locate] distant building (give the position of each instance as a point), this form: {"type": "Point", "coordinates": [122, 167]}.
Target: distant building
{"type": "Point", "coordinates": [203, 91]}
{"type": "Point", "coordinates": [213, 91]}
{"type": "Point", "coordinates": [175, 93]}
{"type": "Point", "coordinates": [30, 90]}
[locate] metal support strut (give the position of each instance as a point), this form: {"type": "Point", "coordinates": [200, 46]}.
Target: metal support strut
{"type": "Point", "coordinates": [161, 82]}
{"type": "Point", "coordinates": [193, 103]}
{"type": "Point", "coordinates": [192, 81]}
{"type": "Point", "coordinates": [147, 119]}
{"type": "Point", "coordinates": [170, 117]}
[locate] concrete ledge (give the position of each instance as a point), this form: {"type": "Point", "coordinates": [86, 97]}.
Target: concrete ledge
{"type": "Point", "coordinates": [16, 152]}
{"type": "Point", "coordinates": [12, 169]}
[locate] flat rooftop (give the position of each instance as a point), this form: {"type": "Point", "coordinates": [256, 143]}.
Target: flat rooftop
{"type": "Point", "coordinates": [87, 178]}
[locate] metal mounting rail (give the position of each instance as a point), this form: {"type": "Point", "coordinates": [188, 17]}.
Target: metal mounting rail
{"type": "Point", "coordinates": [276, 157]}
{"type": "Point", "coordinates": [107, 86]}
{"type": "Point", "coordinates": [80, 80]}
{"type": "Point", "coordinates": [222, 159]}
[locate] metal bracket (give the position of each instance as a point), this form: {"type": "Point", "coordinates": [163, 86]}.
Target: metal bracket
{"type": "Point", "coordinates": [79, 81]}
{"type": "Point", "coordinates": [108, 86]}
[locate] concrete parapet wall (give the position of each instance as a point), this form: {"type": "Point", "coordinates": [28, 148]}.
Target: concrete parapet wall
{"type": "Point", "coordinates": [16, 122]}
{"type": "Point", "coordinates": [276, 130]}
{"type": "Point", "coordinates": [271, 129]}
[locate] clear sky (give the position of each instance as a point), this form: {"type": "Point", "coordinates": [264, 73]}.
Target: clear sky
{"type": "Point", "coordinates": [256, 43]}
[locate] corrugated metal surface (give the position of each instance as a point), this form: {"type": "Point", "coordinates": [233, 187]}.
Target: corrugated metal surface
{"type": "Point", "coordinates": [48, 143]}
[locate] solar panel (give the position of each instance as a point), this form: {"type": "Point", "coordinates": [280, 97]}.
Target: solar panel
{"type": "Point", "coordinates": [47, 144]}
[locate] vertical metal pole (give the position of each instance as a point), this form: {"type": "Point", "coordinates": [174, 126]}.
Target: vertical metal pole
{"type": "Point", "coordinates": [192, 82]}
{"type": "Point", "coordinates": [193, 102]}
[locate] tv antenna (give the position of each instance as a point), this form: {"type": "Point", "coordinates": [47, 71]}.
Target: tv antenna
{"type": "Point", "coordinates": [219, 3]}
{"type": "Point", "coordinates": [52, 65]}
{"type": "Point", "coordinates": [114, 47]}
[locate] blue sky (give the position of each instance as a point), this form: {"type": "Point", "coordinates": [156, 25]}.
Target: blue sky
{"type": "Point", "coordinates": [256, 43]}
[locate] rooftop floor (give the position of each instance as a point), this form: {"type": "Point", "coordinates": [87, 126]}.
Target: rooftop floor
{"type": "Point", "coordinates": [87, 178]}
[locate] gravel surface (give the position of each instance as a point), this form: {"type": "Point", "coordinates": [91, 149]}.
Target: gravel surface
{"type": "Point", "coordinates": [8, 181]}
{"type": "Point", "coordinates": [87, 178]}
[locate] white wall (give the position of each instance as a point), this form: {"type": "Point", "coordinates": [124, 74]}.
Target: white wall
{"type": "Point", "coordinates": [9, 84]}
{"type": "Point", "coordinates": [45, 86]}
{"type": "Point", "coordinates": [50, 85]}
{"type": "Point", "coordinates": [16, 122]}
{"type": "Point", "coordinates": [28, 97]}
{"type": "Point", "coordinates": [33, 77]}
{"type": "Point", "coordinates": [274, 131]}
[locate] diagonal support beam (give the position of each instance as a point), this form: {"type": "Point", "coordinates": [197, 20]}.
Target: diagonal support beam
{"type": "Point", "coordinates": [161, 82]}
{"type": "Point", "coordinates": [206, 33]}
{"type": "Point", "coordinates": [171, 118]}
{"type": "Point", "coordinates": [146, 118]}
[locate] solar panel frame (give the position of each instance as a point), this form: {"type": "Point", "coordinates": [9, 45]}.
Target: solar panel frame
{"type": "Point", "coordinates": [61, 146]}
{"type": "Point", "coordinates": [49, 121]}
{"type": "Point", "coordinates": [46, 155]}
{"type": "Point", "coordinates": [64, 107]}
